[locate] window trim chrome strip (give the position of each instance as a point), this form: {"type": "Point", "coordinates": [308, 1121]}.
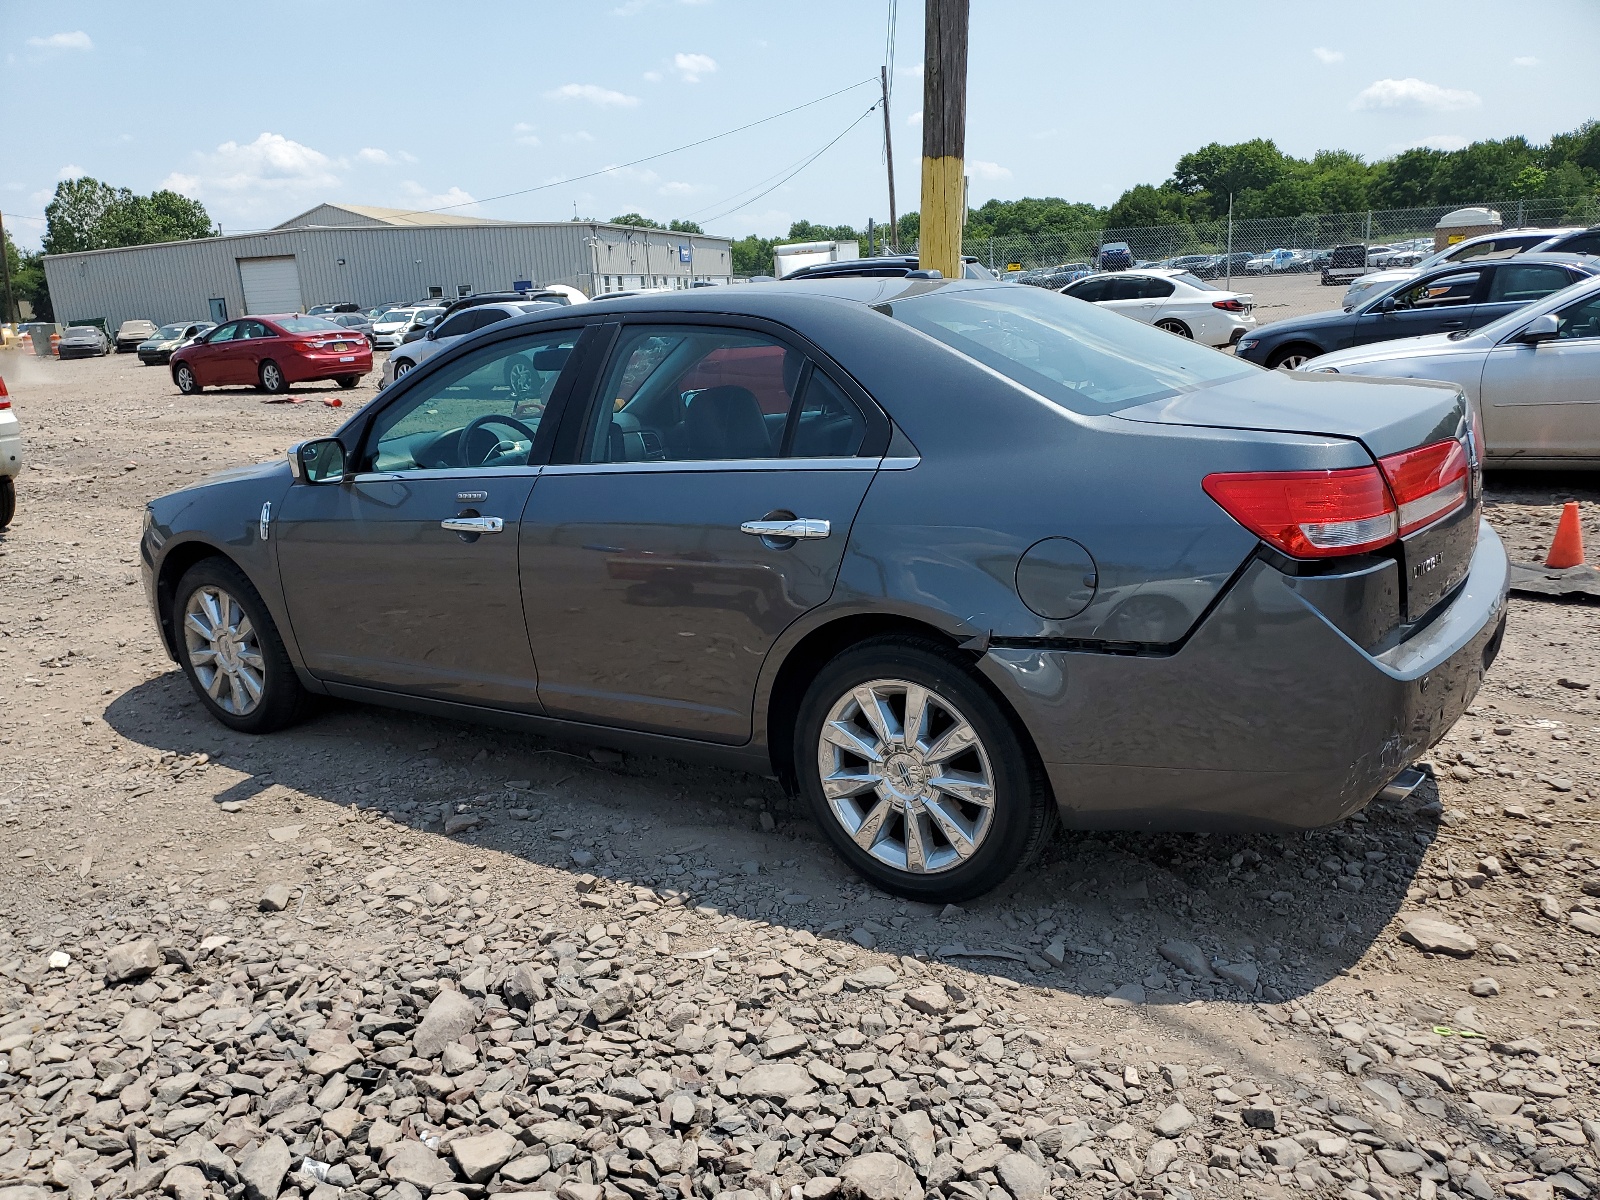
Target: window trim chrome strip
{"type": "Point", "coordinates": [447, 473]}
{"type": "Point", "coordinates": [702, 466]}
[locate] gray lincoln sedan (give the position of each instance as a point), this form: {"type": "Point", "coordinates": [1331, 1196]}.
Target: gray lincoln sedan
{"type": "Point", "coordinates": [953, 559]}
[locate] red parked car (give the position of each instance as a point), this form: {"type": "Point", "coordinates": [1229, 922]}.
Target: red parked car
{"type": "Point", "coordinates": [272, 352]}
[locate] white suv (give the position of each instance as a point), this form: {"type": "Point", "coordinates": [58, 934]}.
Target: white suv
{"type": "Point", "coordinates": [10, 457]}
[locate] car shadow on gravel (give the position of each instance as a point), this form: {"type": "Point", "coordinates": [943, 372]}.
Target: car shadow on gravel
{"type": "Point", "coordinates": [1145, 918]}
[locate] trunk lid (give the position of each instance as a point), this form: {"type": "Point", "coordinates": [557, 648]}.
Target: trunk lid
{"type": "Point", "coordinates": [1385, 416]}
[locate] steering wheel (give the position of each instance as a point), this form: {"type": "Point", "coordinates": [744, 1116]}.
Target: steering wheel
{"type": "Point", "coordinates": [464, 442]}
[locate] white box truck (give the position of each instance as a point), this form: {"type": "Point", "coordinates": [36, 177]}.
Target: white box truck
{"type": "Point", "coordinates": [790, 258]}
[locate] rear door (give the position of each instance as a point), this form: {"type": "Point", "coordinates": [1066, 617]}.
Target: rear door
{"type": "Point", "coordinates": [1137, 296]}
{"type": "Point", "coordinates": [699, 505]}
{"type": "Point", "coordinates": [1543, 401]}
{"type": "Point", "coordinates": [255, 342]}
{"type": "Point", "coordinates": [1437, 304]}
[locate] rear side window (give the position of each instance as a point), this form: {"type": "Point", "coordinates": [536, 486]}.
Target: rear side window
{"type": "Point", "coordinates": [1153, 287]}
{"type": "Point", "coordinates": [1085, 358]}
{"type": "Point", "coordinates": [702, 393]}
{"type": "Point", "coordinates": [1521, 282]}
{"type": "Point", "coordinates": [1092, 290]}
{"type": "Point", "coordinates": [1581, 243]}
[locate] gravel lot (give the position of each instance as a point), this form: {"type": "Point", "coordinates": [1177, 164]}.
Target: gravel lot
{"type": "Point", "coordinates": [388, 956]}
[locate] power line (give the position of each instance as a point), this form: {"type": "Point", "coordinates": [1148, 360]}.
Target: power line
{"type": "Point", "coordinates": [652, 157]}
{"type": "Point", "coordinates": [813, 158]}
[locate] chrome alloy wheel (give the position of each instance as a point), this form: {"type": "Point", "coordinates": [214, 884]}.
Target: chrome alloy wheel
{"type": "Point", "coordinates": [907, 776]}
{"type": "Point", "coordinates": [1291, 362]}
{"type": "Point", "coordinates": [224, 650]}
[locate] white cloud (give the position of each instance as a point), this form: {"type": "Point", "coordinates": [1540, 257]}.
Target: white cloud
{"type": "Point", "coordinates": [693, 66]}
{"type": "Point", "coordinates": [371, 154]}
{"type": "Point", "coordinates": [70, 171]}
{"type": "Point", "coordinates": [76, 40]}
{"type": "Point", "coordinates": [577, 136]}
{"type": "Point", "coordinates": [915, 118]}
{"type": "Point", "coordinates": [1525, 60]}
{"type": "Point", "coordinates": [1325, 55]}
{"type": "Point", "coordinates": [980, 169]}
{"type": "Point", "coordinates": [524, 135]}
{"type": "Point", "coordinates": [594, 94]}
{"type": "Point", "coordinates": [1414, 93]}
{"type": "Point", "coordinates": [419, 197]}
{"type": "Point", "coordinates": [674, 187]}
{"type": "Point", "coordinates": [255, 183]}
{"type": "Point", "coordinates": [652, 76]}
{"type": "Point", "coordinates": [1445, 141]}
{"type": "Point", "coordinates": [914, 71]}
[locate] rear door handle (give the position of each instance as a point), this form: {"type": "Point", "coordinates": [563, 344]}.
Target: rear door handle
{"type": "Point", "coordinates": [473, 524]}
{"type": "Point", "coordinates": [800, 528]}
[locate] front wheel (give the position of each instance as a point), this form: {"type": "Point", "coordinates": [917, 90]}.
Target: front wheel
{"type": "Point", "coordinates": [917, 775]}
{"type": "Point", "coordinates": [1291, 358]}
{"type": "Point", "coordinates": [348, 381]}
{"type": "Point", "coordinates": [185, 378]}
{"type": "Point", "coordinates": [231, 652]}
{"type": "Point", "coordinates": [272, 379]}
{"type": "Point", "coordinates": [8, 500]}
{"type": "Point", "coordinates": [1177, 327]}
{"type": "Point", "coordinates": [403, 367]}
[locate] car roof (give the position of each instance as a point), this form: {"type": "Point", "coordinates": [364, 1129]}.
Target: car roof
{"type": "Point", "coordinates": [1566, 257]}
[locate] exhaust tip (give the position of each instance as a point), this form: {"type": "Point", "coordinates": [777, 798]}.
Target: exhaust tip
{"type": "Point", "coordinates": [1403, 784]}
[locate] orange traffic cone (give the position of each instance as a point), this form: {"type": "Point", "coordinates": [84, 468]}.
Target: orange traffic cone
{"type": "Point", "coordinates": [1567, 549]}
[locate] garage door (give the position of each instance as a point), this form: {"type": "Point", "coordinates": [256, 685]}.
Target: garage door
{"type": "Point", "coordinates": [271, 285]}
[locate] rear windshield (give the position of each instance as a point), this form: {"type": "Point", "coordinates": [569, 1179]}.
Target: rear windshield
{"type": "Point", "coordinates": [1086, 358]}
{"type": "Point", "coordinates": [303, 324]}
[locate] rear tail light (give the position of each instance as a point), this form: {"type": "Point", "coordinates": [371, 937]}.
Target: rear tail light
{"type": "Point", "coordinates": [1229, 305]}
{"type": "Point", "coordinates": [5, 396]}
{"type": "Point", "coordinates": [1324, 514]}
{"type": "Point", "coordinates": [1428, 482]}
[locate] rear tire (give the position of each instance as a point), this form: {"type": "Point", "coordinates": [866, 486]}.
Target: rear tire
{"type": "Point", "coordinates": [8, 500]}
{"type": "Point", "coordinates": [185, 378]}
{"type": "Point", "coordinates": [229, 648]}
{"type": "Point", "coordinates": [348, 381]}
{"type": "Point", "coordinates": [973, 788]}
{"type": "Point", "coordinates": [272, 379]}
{"type": "Point", "coordinates": [1177, 327]}
{"type": "Point", "coordinates": [1287, 358]}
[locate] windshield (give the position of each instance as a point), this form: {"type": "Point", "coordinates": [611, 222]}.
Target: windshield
{"type": "Point", "coordinates": [304, 324]}
{"type": "Point", "coordinates": [426, 314]}
{"type": "Point", "coordinates": [1069, 351]}
{"type": "Point", "coordinates": [168, 332]}
{"type": "Point", "coordinates": [394, 316]}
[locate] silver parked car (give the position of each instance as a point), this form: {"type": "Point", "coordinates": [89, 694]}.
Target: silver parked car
{"type": "Point", "coordinates": [451, 330]}
{"type": "Point", "coordinates": [1532, 376]}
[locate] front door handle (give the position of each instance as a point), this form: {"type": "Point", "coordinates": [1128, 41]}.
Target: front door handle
{"type": "Point", "coordinates": [797, 528]}
{"type": "Point", "coordinates": [473, 524]}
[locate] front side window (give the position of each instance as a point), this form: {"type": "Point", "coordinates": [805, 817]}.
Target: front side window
{"type": "Point", "coordinates": [1522, 282]}
{"type": "Point", "coordinates": [701, 393]}
{"type": "Point", "coordinates": [1092, 290]}
{"type": "Point", "coordinates": [1579, 320]}
{"type": "Point", "coordinates": [480, 412]}
{"type": "Point", "coordinates": [1082, 357]}
{"type": "Point", "coordinates": [1442, 291]}
{"type": "Point", "coordinates": [225, 334]}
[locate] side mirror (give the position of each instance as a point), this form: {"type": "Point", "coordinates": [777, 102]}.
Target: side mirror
{"type": "Point", "coordinates": [318, 461]}
{"type": "Point", "coordinates": [1386, 305]}
{"type": "Point", "coordinates": [1541, 329]}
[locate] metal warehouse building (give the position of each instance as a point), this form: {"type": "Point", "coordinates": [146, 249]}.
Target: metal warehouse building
{"type": "Point", "coordinates": [371, 256]}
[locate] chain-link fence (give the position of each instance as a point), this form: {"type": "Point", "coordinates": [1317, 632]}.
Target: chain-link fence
{"type": "Point", "coordinates": [1391, 237]}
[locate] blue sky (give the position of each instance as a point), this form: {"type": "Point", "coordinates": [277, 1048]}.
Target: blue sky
{"type": "Point", "coordinates": [262, 112]}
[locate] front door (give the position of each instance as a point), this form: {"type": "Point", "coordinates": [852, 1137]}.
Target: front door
{"type": "Point", "coordinates": [1543, 401]}
{"type": "Point", "coordinates": [1437, 304]}
{"type": "Point", "coordinates": [209, 359]}
{"type": "Point", "coordinates": [706, 507]}
{"type": "Point", "coordinates": [404, 577]}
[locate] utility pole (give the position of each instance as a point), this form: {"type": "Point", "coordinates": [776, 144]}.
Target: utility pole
{"type": "Point", "coordinates": [888, 154]}
{"type": "Point", "coordinates": [944, 136]}
{"type": "Point", "coordinates": [9, 312]}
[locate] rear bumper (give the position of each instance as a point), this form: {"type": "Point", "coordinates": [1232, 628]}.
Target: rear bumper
{"type": "Point", "coordinates": [1268, 718]}
{"type": "Point", "coordinates": [10, 448]}
{"type": "Point", "coordinates": [305, 368]}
